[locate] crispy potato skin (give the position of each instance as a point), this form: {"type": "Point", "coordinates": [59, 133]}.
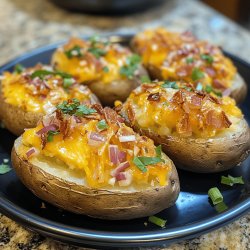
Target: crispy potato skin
{"type": "Point", "coordinates": [98, 203]}
{"type": "Point", "coordinates": [204, 155]}
{"type": "Point", "coordinates": [117, 89]}
{"type": "Point", "coordinates": [16, 119]}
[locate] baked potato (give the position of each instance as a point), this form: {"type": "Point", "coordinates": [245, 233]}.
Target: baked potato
{"type": "Point", "coordinates": [87, 161]}
{"type": "Point", "coordinates": [200, 132]}
{"type": "Point", "coordinates": [173, 56]}
{"type": "Point", "coordinates": [27, 94]}
{"type": "Point", "coordinates": [111, 71]}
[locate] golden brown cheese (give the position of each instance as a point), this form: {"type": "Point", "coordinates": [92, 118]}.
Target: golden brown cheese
{"type": "Point", "coordinates": [39, 95]}
{"type": "Point", "coordinates": [181, 111]}
{"type": "Point", "coordinates": [182, 56]}
{"type": "Point", "coordinates": [77, 152]}
{"type": "Point", "coordinates": [90, 61]}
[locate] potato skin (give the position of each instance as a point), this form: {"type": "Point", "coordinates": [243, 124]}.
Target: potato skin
{"type": "Point", "coordinates": [98, 203]}
{"type": "Point", "coordinates": [16, 119]}
{"type": "Point", "coordinates": [239, 89]}
{"type": "Point", "coordinates": [117, 89]}
{"type": "Point", "coordinates": [204, 155]}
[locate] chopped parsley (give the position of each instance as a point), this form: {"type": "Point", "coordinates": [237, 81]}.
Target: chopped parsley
{"type": "Point", "coordinates": [169, 84]}
{"type": "Point", "coordinates": [51, 134]}
{"type": "Point", "coordinates": [4, 168]}
{"type": "Point", "coordinates": [67, 82]}
{"type": "Point", "coordinates": [131, 66]}
{"type": "Point", "coordinates": [105, 69]}
{"type": "Point", "coordinates": [207, 58]}
{"type": "Point", "coordinates": [197, 74]}
{"type": "Point", "coordinates": [76, 51]}
{"type": "Point", "coordinates": [145, 79]}
{"type": "Point", "coordinates": [189, 60]}
{"type": "Point", "coordinates": [209, 89]}
{"type": "Point", "coordinates": [97, 52]}
{"type": "Point", "coordinates": [102, 125]}
{"type": "Point", "coordinates": [18, 68]}
{"type": "Point", "coordinates": [82, 110]}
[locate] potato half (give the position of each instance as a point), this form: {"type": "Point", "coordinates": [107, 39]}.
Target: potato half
{"type": "Point", "coordinates": [111, 71]}
{"type": "Point", "coordinates": [180, 56]}
{"type": "Point", "coordinates": [25, 99]}
{"type": "Point", "coordinates": [191, 150]}
{"type": "Point", "coordinates": [67, 187]}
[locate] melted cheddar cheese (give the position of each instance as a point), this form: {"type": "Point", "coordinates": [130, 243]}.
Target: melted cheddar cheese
{"type": "Point", "coordinates": [39, 95]}
{"type": "Point", "coordinates": [181, 56]}
{"type": "Point", "coordinates": [181, 112]}
{"type": "Point", "coordinates": [89, 66]}
{"type": "Point", "coordinates": [77, 153]}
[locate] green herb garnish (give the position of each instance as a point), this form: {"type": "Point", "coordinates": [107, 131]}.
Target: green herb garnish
{"type": "Point", "coordinates": [187, 88]}
{"type": "Point", "coordinates": [131, 66]}
{"type": "Point", "coordinates": [215, 195]}
{"type": "Point", "coordinates": [74, 52]}
{"type": "Point", "coordinates": [4, 168]}
{"type": "Point", "coordinates": [142, 161]}
{"type": "Point", "coordinates": [158, 151]}
{"type": "Point", "coordinates": [102, 125]}
{"type": "Point", "coordinates": [19, 68]}
{"type": "Point", "coordinates": [69, 108]}
{"type": "Point", "coordinates": [51, 134]}
{"type": "Point", "coordinates": [94, 39]}
{"type": "Point", "coordinates": [145, 79]}
{"type": "Point", "coordinates": [82, 110]}
{"type": "Point", "coordinates": [105, 69]}
{"type": "Point", "coordinates": [169, 84]}
{"type": "Point", "coordinates": [41, 73]}
{"type": "Point", "coordinates": [221, 207]}
{"type": "Point", "coordinates": [189, 60]}
{"type": "Point", "coordinates": [67, 82]}
{"type": "Point", "coordinates": [97, 52]}
{"type": "Point", "coordinates": [210, 89]}
{"type": "Point", "coordinates": [197, 74]}
{"type": "Point", "coordinates": [207, 58]}
{"type": "Point", "coordinates": [230, 180]}
{"type": "Point", "coordinates": [139, 164]}
{"type": "Point", "coordinates": [157, 221]}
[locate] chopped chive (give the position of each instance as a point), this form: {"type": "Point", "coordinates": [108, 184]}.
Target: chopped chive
{"type": "Point", "coordinates": [158, 151]}
{"type": "Point", "coordinates": [131, 66]}
{"type": "Point", "coordinates": [97, 52]}
{"type": "Point", "coordinates": [199, 87]}
{"type": "Point", "coordinates": [139, 164]}
{"type": "Point", "coordinates": [189, 60]}
{"type": "Point", "coordinates": [51, 134]}
{"type": "Point", "coordinates": [207, 58]}
{"type": "Point", "coordinates": [94, 39]}
{"type": "Point", "coordinates": [221, 207]}
{"type": "Point", "coordinates": [102, 125]}
{"type": "Point", "coordinates": [105, 69]}
{"type": "Point", "coordinates": [197, 74]}
{"type": "Point", "coordinates": [169, 84]}
{"type": "Point", "coordinates": [230, 180]}
{"type": "Point", "coordinates": [4, 168]}
{"type": "Point", "coordinates": [67, 82]}
{"type": "Point", "coordinates": [74, 52]}
{"type": "Point", "coordinates": [208, 88]}
{"type": "Point", "coordinates": [215, 195]}
{"type": "Point", "coordinates": [157, 221]}
{"type": "Point", "coordinates": [19, 68]}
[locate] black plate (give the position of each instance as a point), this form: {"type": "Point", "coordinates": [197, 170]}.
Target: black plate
{"type": "Point", "coordinates": [191, 216]}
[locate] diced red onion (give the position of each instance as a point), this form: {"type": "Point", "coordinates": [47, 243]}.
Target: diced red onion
{"type": "Point", "coordinates": [77, 119]}
{"type": "Point", "coordinates": [51, 127]}
{"type": "Point", "coordinates": [127, 181]}
{"type": "Point", "coordinates": [127, 138]}
{"type": "Point", "coordinates": [120, 168]}
{"type": "Point", "coordinates": [120, 176]}
{"type": "Point", "coordinates": [122, 156]}
{"type": "Point", "coordinates": [113, 151]}
{"type": "Point", "coordinates": [95, 139]}
{"type": "Point", "coordinates": [30, 152]}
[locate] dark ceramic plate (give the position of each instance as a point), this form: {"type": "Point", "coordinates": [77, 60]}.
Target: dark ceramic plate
{"type": "Point", "coordinates": [191, 216]}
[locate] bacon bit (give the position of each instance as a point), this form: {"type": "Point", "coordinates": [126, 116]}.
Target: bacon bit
{"type": "Point", "coordinates": [147, 86]}
{"type": "Point", "coordinates": [183, 126]}
{"type": "Point", "coordinates": [154, 97]}
{"type": "Point", "coordinates": [226, 122]}
{"type": "Point", "coordinates": [110, 115]}
{"type": "Point", "coordinates": [113, 151]}
{"type": "Point", "coordinates": [185, 107]}
{"type": "Point", "coordinates": [59, 115]}
{"type": "Point", "coordinates": [51, 127]}
{"type": "Point", "coordinates": [98, 107]}
{"type": "Point", "coordinates": [120, 168]}
{"type": "Point", "coordinates": [218, 84]}
{"type": "Point", "coordinates": [118, 108]}
{"type": "Point", "coordinates": [66, 128]}
{"type": "Point", "coordinates": [120, 119]}
{"type": "Point", "coordinates": [213, 99]}
{"type": "Point", "coordinates": [179, 97]}
{"type": "Point", "coordinates": [122, 156]}
{"type": "Point", "coordinates": [210, 71]}
{"type": "Point", "coordinates": [120, 176]}
{"type": "Point", "coordinates": [182, 71]}
{"type": "Point", "coordinates": [43, 140]}
{"type": "Point", "coordinates": [131, 114]}
{"type": "Point", "coordinates": [30, 152]}
{"type": "Point", "coordinates": [196, 101]}
{"type": "Point", "coordinates": [77, 119]}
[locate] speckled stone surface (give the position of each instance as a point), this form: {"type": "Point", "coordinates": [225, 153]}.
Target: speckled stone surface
{"type": "Point", "coordinates": [28, 24]}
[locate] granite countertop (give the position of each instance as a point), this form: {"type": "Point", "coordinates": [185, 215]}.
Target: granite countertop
{"type": "Point", "coordinates": [29, 24]}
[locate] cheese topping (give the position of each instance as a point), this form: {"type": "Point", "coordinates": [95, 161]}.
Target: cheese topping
{"type": "Point", "coordinates": [98, 145]}
{"type": "Point", "coordinates": [182, 56]}
{"type": "Point", "coordinates": [175, 108]}
{"type": "Point", "coordinates": [94, 60]}
{"type": "Point", "coordinates": [39, 88]}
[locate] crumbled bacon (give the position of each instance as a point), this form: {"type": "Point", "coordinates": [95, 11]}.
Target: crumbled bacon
{"type": "Point", "coordinates": [131, 114]}
{"type": "Point", "coordinates": [196, 100]}
{"type": "Point", "coordinates": [216, 120]}
{"type": "Point", "coordinates": [43, 140]}
{"type": "Point", "coordinates": [213, 99]}
{"type": "Point", "coordinates": [226, 122]}
{"type": "Point", "coordinates": [179, 97]}
{"type": "Point", "coordinates": [146, 86]}
{"type": "Point", "coordinates": [154, 97]}
{"type": "Point", "coordinates": [98, 107]}
{"type": "Point", "coordinates": [218, 84]}
{"type": "Point", "coordinates": [110, 115]}
{"type": "Point", "coordinates": [183, 126]}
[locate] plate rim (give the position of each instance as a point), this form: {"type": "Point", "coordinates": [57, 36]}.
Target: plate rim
{"type": "Point", "coordinates": [99, 238]}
